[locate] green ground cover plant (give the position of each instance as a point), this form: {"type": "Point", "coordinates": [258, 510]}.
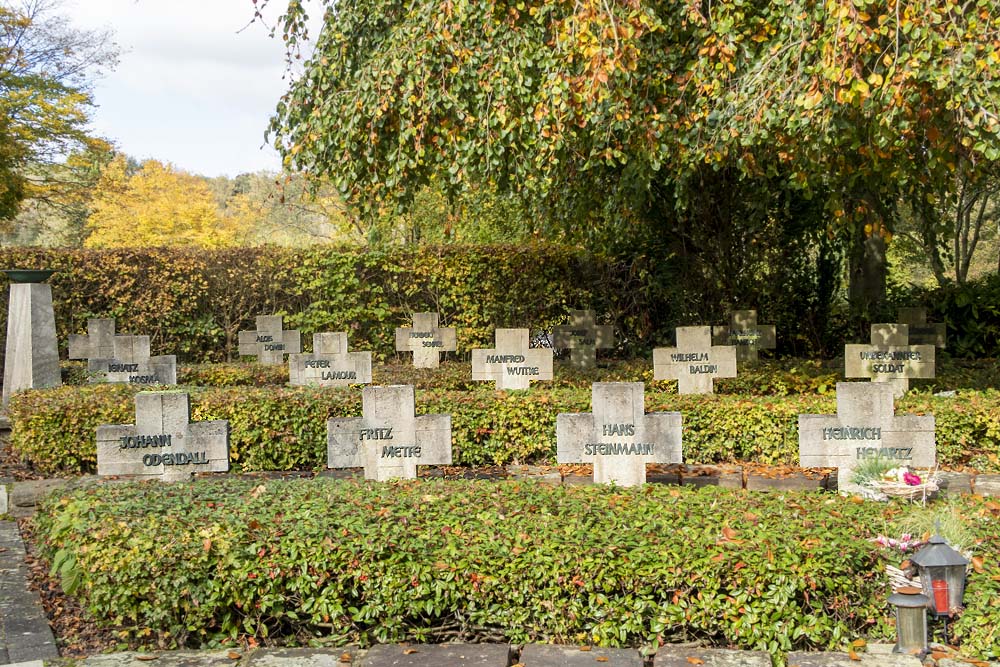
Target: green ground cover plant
{"type": "Point", "coordinates": [335, 561]}
{"type": "Point", "coordinates": [284, 428]}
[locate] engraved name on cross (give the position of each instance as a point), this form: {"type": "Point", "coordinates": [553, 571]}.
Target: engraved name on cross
{"type": "Point", "coordinates": [388, 441]}
{"type": "Point", "coordinates": [619, 438]}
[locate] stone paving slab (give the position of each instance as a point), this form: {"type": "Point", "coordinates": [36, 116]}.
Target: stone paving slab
{"type": "Point", "coordinates": [24, 629]}
{"type": "Point", "coordinates": [669, 656]}
{"type": "Point", "coordinates": [303, 657]}
{"type": "Point", "coordinates": [802, 659]}
{"type": "Point", "coordinates": [953, 483]}
{"type": "Point", "coordinates": [549, 655]}
{"type": "Point", "coordinates": [437, 655]}
{"type": "Point", "coordinates": [797, 481]}
{"type": "Point", "coordinates": [164, 659]}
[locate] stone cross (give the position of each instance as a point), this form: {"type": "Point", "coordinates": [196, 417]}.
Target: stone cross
{"type": "Point", "coordinates": [330, 364]}
{"type": "Point", "coordinates": [582, 336]}
{"type": "Point", "coordinates": [511, 364]}
{"type": "Point", "coordinates": [426, 340]}
{"type": "Point", "coordinates": [695, 362]}
{"type": "Point", "coordinates": [865, 425]}
{"type": "Point", "coordinates": [162, 443]}
{"type": "Point", "coordinates": [922, 332]}
{"type": "Point", "coordinates": [388, 441]}
{"type": "Point", "coordinates": [97, 343]}
{"type": "Point", "coordinates": [120, 359]}
{"type": "Point", "coordinates": [269, 343]}
{"type": "Point", "coordinates": [619, 438]}
{"type": "Point", "coordinates": [744, 332]}
{"type": "Point", "coordinates": [889, 358]}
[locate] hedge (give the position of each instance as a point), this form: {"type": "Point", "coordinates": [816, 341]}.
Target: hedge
{"type": "Point", "coordinates": [193, 302]}
{"type": "Point", "coordinates": [281, 428]}
{"type": "Point", "coordinates": [340, 562]}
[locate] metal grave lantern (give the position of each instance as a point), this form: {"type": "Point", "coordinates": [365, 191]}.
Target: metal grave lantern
{"type": "Point", "coordinates": [911, 620]}
{"type": "Point", "coordinates": [942, 576]}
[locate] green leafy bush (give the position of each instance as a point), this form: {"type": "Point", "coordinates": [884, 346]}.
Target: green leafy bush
{"type": "Point", "coordinates": [284, 428]}
{"type": "Point", "coordinates": [364, 562]}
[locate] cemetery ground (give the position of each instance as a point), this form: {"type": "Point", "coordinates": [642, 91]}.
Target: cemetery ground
{"type": "Point", "coordinates": [280, 552]}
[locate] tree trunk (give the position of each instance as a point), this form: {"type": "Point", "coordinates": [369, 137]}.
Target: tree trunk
{"type": "Point", "coordinates": [866, 290]}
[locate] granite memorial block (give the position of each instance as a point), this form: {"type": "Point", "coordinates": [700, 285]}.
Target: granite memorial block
{"type": "Point", "coordinates": [120, 359]}
{"type": "Point", "coordinates": [388, 441]}
{"type": "Point", "coordinates": [921, 331]}
{"type": "Point", "coordinates": [32, 355]}
{"type": "Point", "coordinates": [162, 443]}
{"type": "Point", "coordinates": [583, 337]}
{"type": "Point", "coordinates": [746, 335]}
{"type": "Point", "coordinates": [511, 364]}
{"type": "Point", "coordinates": [426, 340]}
{"type": "Point", "coordinates": [269, 342]}
{"type": "Point", "coordinates": [865, 426]}
{"type": "Point", "coordinates": [330, 364]}
{"type": "Point", "coordinates": [619, 438]}
{"type": "Point", "coordinates": [889, 358]}
{"type": "Point", "coordinates": [695, 362]}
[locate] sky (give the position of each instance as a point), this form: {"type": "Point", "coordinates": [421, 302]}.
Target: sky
{"type": "Point", "coordinates": [192, 87]}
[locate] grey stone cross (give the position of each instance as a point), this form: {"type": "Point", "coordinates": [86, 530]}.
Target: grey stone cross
{"type": "Point", "coordinates": [865, 425]}
{"type": "Point", "coordinates": [921, 331]}
{"type": "Point", "coordinates": [330, 364]}
{"type": "Point", "coordinates": [748, 336]}
{"type": "Point", "coordinates": [426, 340]}
{"type": "Point", "coordinates": [695, 362]}
{"type": "Point", "coordinates": [120, 359]}
{"type": "Point", "coordinates": [269, 343]}
{"type": "Point", "coordinates": [889, 358]}
{"type": "Point", "coordinates": [511, 363]}
{"type": "Point", "coordinates": [162, 443]}
{"type": "Point", "coordinates": [388, 441]}
{"type": "Point", "coordinates": [619, 438]}
{"type": "Point", "coordinates": [583, 337]}
{"type": "Point", "coordinates": [97, 343]}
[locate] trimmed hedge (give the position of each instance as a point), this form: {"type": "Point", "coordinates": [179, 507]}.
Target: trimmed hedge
{"type": "Point", "coordinates": [343, 562]}
{"type": "Point", "coordinates": [193, 302]}
{"type": "Point", "coordinates": [281, 428]}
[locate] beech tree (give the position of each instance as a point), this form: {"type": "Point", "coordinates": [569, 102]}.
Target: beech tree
{"type": "Point", "coordinates": [636, 102]}
{"type": "Point", "coordinates": [156, 206]}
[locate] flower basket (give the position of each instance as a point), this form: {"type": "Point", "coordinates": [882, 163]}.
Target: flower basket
{"type": "Point", "coordinates": [903, 490]}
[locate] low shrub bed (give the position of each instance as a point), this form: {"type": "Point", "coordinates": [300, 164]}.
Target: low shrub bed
{"type": "Point", "coordinates": [284, 428]}
{"type": "Point", "coordinates": [769, 378]}
{"type": "Point", "coordinates": [342, 561]}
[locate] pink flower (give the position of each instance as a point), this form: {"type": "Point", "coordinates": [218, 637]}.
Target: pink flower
{"type": "Point", "coordinates": [911, 479]}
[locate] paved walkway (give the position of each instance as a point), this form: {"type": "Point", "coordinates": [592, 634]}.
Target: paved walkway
{"type": "Point", "coordinates": [24, 630]}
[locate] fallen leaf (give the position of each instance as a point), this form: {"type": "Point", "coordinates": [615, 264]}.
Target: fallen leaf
{"type": "Point", "coordinates": [584, 648]}
{"type": "Point", "coordinates": [345, 657]}
{"type": "Point", "coordinates": [409, 651]}
{"type": "Point", "coordinates": [938, 655]}
{"type": "Point", "coordinates": [234, 655]}
{"type": "Point", "coordinates": [977, 564]}
{"type": "Point", "coordinates": [729, 533]}
{"type": "Point", "coordinates": [146, 657]}
{"type": "Point", "coordinates": [602, 658]}
{"type": "Point", "coordinates": [852, 655]}
{"type": "Point", "coordinates": [858, 643]}
{"type": "Point", "coordinates": [695, 661]}
{"type": "Point", "coordinates": [207, 544]}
